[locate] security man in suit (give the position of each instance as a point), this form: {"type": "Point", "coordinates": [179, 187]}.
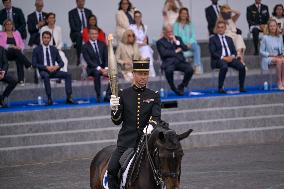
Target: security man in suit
{"type": "Point", "coordinates": [171, 48]}
{"type": "Point", "coordinates": [224, 55]}
{"type": "Point", "coordinates": [5, 77]}
{"type": "Point", "coordinates": [96, 56]}
{"type": "Point", "coordinates": [135, 107]}
{"type": "Point", "coordinates": [212, 13]}
{"type": "Point", "coordinates": [47, 60]}
{"type": "Point", "coordinates": [35, 22]}
{"type": "Point", "coordinates": [16, 15]}
{"type": "Point", "coordinates": [78, 21]}
{"type": "Point", "coordinates": [257, 17]}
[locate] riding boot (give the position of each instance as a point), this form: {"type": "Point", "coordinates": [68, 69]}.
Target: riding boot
{"type": "Point", "coordinates": [112, 182]}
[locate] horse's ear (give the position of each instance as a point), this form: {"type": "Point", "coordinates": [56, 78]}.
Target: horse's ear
{"type": "Point", "coordinates": [162, 136]}
{"type": "Point", "coordinates": [184, 135]}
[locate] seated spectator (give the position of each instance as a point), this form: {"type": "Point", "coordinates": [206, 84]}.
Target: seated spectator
{"type": "Point", "coordinates": [12, 41]}
{"type": "Point", "coordinates": [47, 60]}
{"type": "Point", "coordinates": [230, 16]}
{"type": "Point", "coordinates": [224, 55]}
{"type": "Point", "coordinates": [184, 28]}
{"type": "Point", "coordinates": [278, 15]}
{"type": "Point", "coordinates": [257, 17]}
{"type": "Point", "coordinates": [16, 15]}
{"type": "Point", "coordinates": [36, 21]}
{"type": "Point", "coordinates": [93, 23]}
{"type": "Point", "coordinates": [171, 48]}
{"type": "Point", "coordinates": [96, 55]}
{"type": "Point", "coordinates": [127, 51]}
{"type": "Point", "coordinates": [272, 50]}
{"type": "Point", "coordinates": [6, 78]}
{"type": "Point", "coordinates": [78, 21]}
{"type": "Point", "coordinates": [124, 17]}
{"type": "Point", "coordinates": [140, 31]}
{"type": "Point", "coordinates": [212, 13]}
{"type": "Point", "coordinates": [56, 37]}
{"type": "Point", "coordinates": [170, 11]}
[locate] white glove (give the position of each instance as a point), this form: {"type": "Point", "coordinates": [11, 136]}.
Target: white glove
{"type": "Point", "coordinates": [148, 129]}
{"type": "Point", "coordinates": [114, 102]}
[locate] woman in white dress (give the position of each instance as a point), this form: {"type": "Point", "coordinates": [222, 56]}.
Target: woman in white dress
{"type": "Point", "coordinates": [140, 31]}
{"type": "Point", "coordinates": [56, 38]}
{"type": "Point", "coordinates": [231, 16]}
{"type": "Point", "coordinates": [170, 11]}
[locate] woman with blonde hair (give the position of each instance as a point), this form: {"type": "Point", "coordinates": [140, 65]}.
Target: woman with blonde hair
{"type": "Point", "coordinates": [230, 16]}
{"type": "Point", "coordinates": [127, 51]}
{"type": "Point", "coordinates": [272, 50]}
{"type": "Point", "coordinates": [170, 11]}
{"type": "Point", "coordinates": [12, 41]}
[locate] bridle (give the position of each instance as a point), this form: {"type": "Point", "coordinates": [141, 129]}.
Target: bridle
{"type": "Point", "coordinates": [155, 162]}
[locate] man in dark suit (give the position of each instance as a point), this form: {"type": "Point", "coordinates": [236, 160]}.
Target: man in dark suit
{"type": "Point", "coordinates": [257, 17]}
{"type": "Point", "coordinates": [212, 13]}
{"type": "Point", "coordinates": [77, 21]}
{"type": "Point", "coordinates": [135, 107]}
{"type": "Point", "coordinates": [5, 77]}
{"type": "Point", "coordinates": [96, 55]}
{"type": "Point", "coordinates": [224, 55]}
{"type": "Point", "coordinates": [171, 48]}
{"type": "Point", "coordinates": [47, 60]}
{"type": "Point", "coordinates": [14, 14]}
{"type": "Point", "coordinates": [36, 21]}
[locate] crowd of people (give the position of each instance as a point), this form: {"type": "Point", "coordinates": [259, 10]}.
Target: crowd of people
{"type": "Point", "coordinates": [177, 46]}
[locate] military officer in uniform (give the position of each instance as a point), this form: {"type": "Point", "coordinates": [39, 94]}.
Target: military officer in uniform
{"type": "Point", "coordinates": [257, 17]}
{"type": "Point", "coordinates": [135, 107]}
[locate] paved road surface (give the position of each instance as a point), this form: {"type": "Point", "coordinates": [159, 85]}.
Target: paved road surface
{"type": "Point", "coordinates": [232, 167]}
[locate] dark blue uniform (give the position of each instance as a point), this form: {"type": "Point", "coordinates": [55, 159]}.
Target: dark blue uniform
{"type": "Point", "coordinates": [138, 108]}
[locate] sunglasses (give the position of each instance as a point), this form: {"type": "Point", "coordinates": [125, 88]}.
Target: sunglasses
{"type": "Point", "coordinates": [131, 35]}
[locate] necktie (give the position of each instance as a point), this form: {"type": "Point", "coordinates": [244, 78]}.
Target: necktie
{"type": "Point", "coordinates": [224, 45]}
{"type": "Point", "coordinates": [39, 17]}
{"type": "Point", "coordinates": [83, 19]}
{"type": "Point", "coordinates": [217, 9]}
{"type": "Point", "coordinates": [258, 7]}
{"type": "Point", "coordinates": [47, 57]}
{"type": "Point", "coordinates": [97, 52]}
{"type": "Point", "coordinates": [8, 15]}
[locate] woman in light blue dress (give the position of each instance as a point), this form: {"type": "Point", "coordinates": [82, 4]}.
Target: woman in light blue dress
{"type": "Point", "coordinates": [184, 28]}
{"type": "Point", "coordinates": [272, 51]}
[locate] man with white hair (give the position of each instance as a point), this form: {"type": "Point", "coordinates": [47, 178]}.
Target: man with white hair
{"type": "Point", "coordinates": [36, 21]}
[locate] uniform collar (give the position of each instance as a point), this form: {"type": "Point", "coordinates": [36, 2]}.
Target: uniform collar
{"type": "Point", "coordinates": [137, 89]}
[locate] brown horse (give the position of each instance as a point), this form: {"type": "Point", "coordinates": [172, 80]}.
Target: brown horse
{"type": "Point", "coordinates": [160, 165]}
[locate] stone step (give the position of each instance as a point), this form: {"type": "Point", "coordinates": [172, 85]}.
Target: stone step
{"type": "Point", "coordinates": [101, 112]}
{"type": "Point", "coordinates": [87, 149]}
{"type": "Point", "coordinates": [86, 88]}
{"type": "Point", "coordinates": [92, 123]}
{"type": "Point", "coordinates": [106, 133]}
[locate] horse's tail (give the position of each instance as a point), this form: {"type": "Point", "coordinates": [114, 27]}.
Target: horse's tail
{"type": "Point", "coordinates": [98, 167]}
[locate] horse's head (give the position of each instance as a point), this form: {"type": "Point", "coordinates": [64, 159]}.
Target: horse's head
{"type": "Point", "coordinates": [167, 156]}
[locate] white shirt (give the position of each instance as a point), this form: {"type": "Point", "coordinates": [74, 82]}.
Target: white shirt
{"type": "Point", "coordinates": [10, 11]}
{"type": "Point", "coordinates": [139, 33]}
{"type": "Point", "coordinates": [216, 9]}
{"type": "Point", "coordinates": [226, 46]}
{"type": "Point", "coordinates": [80, 15]}
{"type": "Point", "coordinates": [37, 15]}
{"type": "Point", "coordinates": [44, 55]}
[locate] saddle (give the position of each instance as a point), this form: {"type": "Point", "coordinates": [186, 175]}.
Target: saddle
{"type": "Point", "coordinates": [130, 164]}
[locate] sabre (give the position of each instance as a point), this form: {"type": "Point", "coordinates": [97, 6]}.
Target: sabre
{"type": "Point", "coordinates": [112, 67]}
